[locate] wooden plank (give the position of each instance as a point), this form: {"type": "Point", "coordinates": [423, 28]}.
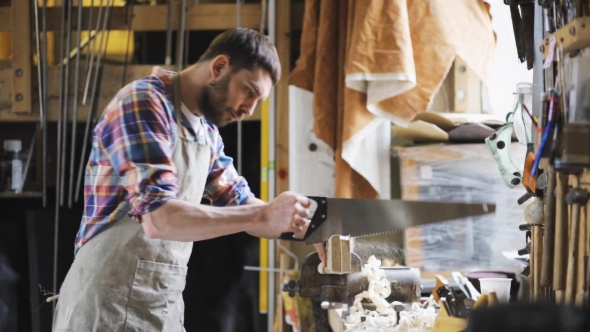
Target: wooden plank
{"type": "Point", "coordinates": [572, 37]}
{"type": "Point", "coordinates": [21, 64]}
{"type": "Point", "coordinates": [467, 88]}
{"type": "Point", "coordinates": [153, 18]}
{"type": "Point", "coordinates": [5, 19]}
{"type": "Point", "coordinates": [283, 44]}
{"type": "Point", "coordinates": [111, 83]}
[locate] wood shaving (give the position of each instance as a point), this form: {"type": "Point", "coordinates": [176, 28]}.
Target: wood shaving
{"type": "Point", "coordinates": [384, 318]}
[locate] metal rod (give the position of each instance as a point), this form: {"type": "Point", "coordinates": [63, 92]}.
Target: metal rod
{"type": "Point", "coordinates": [240, 128]}
{"type": "Point", "coordinates": [129, 20]}
{"type": "Point", "coordinates": [265, 269]}
{"type": "Point", "coordinates": [83, 44]}
{"type": "Point", "coordinates": [60, 131]}
{"type": "Point", "coordinates": [92, 57]}
{"type": "Point", "coordinates": [180, 35]}
{"type": "Point", "coordinates": [271, 168]}
{"type": "Point", "coordinates": [28, 162]}
{"type": "Point", "coordinates": [44, 101]}
{"type": "Point", "coordinates": [168, 59]}
{"type": "Point", "coordinates": [92, 106]}
{"type": "Point", "coordinates": [39, 76]}
{"type": "Point", "coordinates": [90, 32]}
{"type": "Point", "coordinates": [66, 105]}
{"type": "Point", "coordinates": [75, 110]}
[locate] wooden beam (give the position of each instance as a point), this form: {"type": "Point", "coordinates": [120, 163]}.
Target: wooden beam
{"type": "Point", "coordinates": [283, 44]}
{"type": "Point", "coordinates": [153, 18]}
{"type": "Point", "coordinates": [21, 63]}
{"type": "Point", "coordinates": [111, 83]}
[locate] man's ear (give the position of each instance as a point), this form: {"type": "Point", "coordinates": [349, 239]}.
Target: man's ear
{"type": "Point", "coordinates": [219, 65]}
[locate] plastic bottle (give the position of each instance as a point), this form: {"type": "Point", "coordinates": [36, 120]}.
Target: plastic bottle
{"type": "Point", "coordinates": [14, 147]}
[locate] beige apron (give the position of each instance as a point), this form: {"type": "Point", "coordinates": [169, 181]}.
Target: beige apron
{"type": "Point", "coordinates": [121, 280]}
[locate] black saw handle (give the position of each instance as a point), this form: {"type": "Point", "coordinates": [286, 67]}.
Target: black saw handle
{"type": "Point", "coordinates": [319, 216]}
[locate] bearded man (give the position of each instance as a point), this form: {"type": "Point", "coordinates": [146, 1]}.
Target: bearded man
{"type": "Point", "coordinates": [156, 153]}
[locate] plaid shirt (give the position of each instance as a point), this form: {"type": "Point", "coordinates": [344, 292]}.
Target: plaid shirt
{"type": "Point", "coordinates": [130, 169]}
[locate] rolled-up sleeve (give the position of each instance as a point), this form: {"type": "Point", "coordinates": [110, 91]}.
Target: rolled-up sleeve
{"type": "Point", "coordinates": [138, 143]}
{"type": "Point", "coordinates": [225, 187]}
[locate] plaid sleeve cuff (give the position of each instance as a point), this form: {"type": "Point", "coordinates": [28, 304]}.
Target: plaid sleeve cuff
{"type": "Point", "coordinates": [149, 200]}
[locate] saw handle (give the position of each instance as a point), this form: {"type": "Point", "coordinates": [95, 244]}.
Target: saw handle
{"type": "Point", "coordinates": [319, 216]}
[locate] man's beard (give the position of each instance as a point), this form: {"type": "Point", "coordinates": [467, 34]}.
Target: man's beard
{"type": "Point", "coordinates": [213, 102]}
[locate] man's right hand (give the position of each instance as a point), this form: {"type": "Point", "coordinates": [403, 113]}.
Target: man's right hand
{"type": "Point", "coordinates": [287, 213]}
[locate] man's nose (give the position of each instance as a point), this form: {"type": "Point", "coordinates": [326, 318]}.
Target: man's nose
{"type": "Point", "coordinates": [249, 109]}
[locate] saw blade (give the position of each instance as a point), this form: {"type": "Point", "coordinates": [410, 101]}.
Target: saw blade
{"type": "Point", "coordinates": [369, 217]}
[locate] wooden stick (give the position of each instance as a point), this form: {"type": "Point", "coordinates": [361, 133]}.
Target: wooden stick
{"type": "Point", "coordinates": [572, 255]}
{"type": "Point", "coordinates": [537, 258]}
{"type": "Point", "coordinates": [549, 231]}
{"type": "Point", "coordinates": [581, 258]}
{"type": "Point", "coordinates": [561, 232]}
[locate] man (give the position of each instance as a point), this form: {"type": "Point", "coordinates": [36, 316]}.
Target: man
{"type": "Point", "coordinates": [156, 154]}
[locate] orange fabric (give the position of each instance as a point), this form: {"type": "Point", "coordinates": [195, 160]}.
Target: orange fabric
{"type": "Point", "coordinates": [365, 60]}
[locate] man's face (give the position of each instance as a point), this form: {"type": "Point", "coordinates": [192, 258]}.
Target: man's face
{"type": "Point", "coordinates": [234, 94]}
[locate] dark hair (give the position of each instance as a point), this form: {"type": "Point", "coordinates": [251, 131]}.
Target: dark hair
{"type": "Point", "coordinates": [247, 49]}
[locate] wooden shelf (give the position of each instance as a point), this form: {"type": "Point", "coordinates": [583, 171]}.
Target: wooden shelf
{"type": "Point", "coordinates": [154, 18]}
{"type": "Point", "coordinates": [111, 83]}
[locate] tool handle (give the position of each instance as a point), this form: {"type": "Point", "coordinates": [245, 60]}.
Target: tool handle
{"type": "Point", "coordinates": [319, 216]}
{"type": "Point", "coordinates": [561, 234]}
{"type": "Point", "coordinates": [549, 236]}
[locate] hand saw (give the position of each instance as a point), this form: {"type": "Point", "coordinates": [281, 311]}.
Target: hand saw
{"type": "Point", "coordinates": [366, 217]}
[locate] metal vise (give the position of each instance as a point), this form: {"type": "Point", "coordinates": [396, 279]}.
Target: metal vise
{"type": "Point", "coordinates": [341, 288]}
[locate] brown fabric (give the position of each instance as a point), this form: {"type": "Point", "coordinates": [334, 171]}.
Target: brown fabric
{"type": "Point", "coordinates": [406, 45]}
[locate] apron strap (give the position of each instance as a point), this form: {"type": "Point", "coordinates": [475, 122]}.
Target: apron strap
{"type": "Point", "coordinates": [177, 103]}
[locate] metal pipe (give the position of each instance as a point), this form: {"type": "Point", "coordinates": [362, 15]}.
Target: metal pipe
{"type": "Point", "coordinates": [39, 77]}
{"type": "Point", "coordinates": [75, 111]}
{"type": "Point", "coordinates": [90, 33]}
{"type": "Point", "coordinates": [92, 57]}
{"type": "Point", "coordinates": [180, 36]}
{"type": "Point", "coordinates": [59, 168]}
{"type": "Point", "coordinates": [271, 167]}
{"type": "Point", "coordinates": [66, 106]}
{"type": "Point", "coordinates": [240, 128]}
{"type": "Point", "coordinates": [44, 101]}
{"type": "Point", "coordinates": [92, 106]}
{"type": "Point", "coordinates": [168, 59]}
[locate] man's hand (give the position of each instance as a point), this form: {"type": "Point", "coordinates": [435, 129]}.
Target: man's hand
{"type": "Point", "coordinates": [321, 249]}
{"type": "Point", "coordinates": [289, 212]}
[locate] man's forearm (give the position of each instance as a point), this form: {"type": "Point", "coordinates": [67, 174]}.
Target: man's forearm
{"type": "Point", "coordinates": [182, 221]}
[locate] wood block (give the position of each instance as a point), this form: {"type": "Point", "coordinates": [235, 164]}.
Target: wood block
{"type": "Point", "coordinates": [338, 255]}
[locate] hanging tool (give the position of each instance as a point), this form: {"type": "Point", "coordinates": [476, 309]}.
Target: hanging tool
{"type": "Point", "coordinates": [549, 230]}
{"type": "Point", "coordinates": [75, 101]}
{"type": "Point", "coordinates": [180, 35]}
{"type": "Point", "coordinates": [561, 235]}
{"type": "Point", "coordinates": [522, 14]}
{"type": "Point", "coordinates": [576, 198]}
{"type": "Point", "coordinates": [95, 89]}
{"type": "Point", "coordinates": [534, 216]}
